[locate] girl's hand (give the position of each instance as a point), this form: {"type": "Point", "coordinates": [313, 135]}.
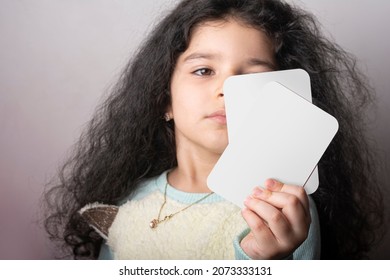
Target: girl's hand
{"type": "Point", "coordinates": [279, 219]}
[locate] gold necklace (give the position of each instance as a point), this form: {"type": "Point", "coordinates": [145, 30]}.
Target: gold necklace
{"type": "Point", "coordinates": [154, 223]}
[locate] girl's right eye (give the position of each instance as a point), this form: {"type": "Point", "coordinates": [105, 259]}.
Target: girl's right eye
{"type": "Point", "coordinates": [203, 72]}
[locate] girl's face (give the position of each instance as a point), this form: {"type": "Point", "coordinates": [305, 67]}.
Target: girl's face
{"type": "Point", "coordinates": [217, 50]}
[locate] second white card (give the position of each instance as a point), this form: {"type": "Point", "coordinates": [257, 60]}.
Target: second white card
{"type": "Point", "coordinates": [283, 137]}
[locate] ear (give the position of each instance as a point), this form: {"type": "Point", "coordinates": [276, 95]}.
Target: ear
{"type": "Point", "coordinates": [168, 114]}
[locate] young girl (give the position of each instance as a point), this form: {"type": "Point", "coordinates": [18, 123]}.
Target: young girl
{"type": "Point", "coordinates": [150, 147]}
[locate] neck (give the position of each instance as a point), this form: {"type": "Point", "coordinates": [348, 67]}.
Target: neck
{"type": "Point", "coordinates": [192, 170]}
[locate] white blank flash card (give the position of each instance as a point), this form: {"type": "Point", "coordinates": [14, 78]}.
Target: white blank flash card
{"type": "Point", "coordinates": [240, 91]}
{"type": "Point", "coordinates": [283, 136]}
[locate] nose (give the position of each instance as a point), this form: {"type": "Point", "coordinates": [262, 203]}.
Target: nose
{"type": "Point", "coordinates": [220, 94]}
{"type": "Point", "coordinates": [219, 88]}
{"type": "Point", "coordinates": [219, 91]}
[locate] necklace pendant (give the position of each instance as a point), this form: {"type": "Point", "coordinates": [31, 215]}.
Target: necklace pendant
{"type": "Point", "coordinates": [153, 223]}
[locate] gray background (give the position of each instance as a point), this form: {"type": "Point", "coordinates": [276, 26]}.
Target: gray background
{"type": "Point", "coordinates": [59, 57]}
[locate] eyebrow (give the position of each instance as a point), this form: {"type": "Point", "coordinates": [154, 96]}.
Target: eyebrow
{"type": "Point", "coordinates": [198, 55]}
{"type": "Point", "coordinates": [251, 61]}
{"type": "Point", "coordinates": [261, 62]}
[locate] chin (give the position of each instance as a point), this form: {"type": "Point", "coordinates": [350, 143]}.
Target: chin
{"type": "Point", "coordinates": [218, 149]}
{"type": "Point", "coordinates": [217, 143]}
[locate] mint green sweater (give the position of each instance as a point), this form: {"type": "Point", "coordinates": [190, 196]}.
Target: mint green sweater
{"type": "Point", "coordinates": [210, 229]}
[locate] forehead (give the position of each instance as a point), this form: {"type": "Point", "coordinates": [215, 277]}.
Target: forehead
{"type": "Point", "coordinates": [231, 37]}
{"type": "Point", "coordinates": [225, 29]}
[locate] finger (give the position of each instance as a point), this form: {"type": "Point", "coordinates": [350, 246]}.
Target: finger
{"type": "Point", "coordinates": [260, 242]}
{"type": "Point", "coordinates": [290, 204]}
{"type": "Point", "coordinates": [272, 217]}
{"type": "Point", "coordinates": [298, 218]}
{"type": "Point", "coordinates": [256, 223]}
{"type": "Point", "coordinates": [276, 186]}
{"type": "Point", "coordinates": [273, 185]}
{"type": "Point", "coordinates": [260, 230]}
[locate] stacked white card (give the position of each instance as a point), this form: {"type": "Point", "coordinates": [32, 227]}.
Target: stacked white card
{"type": "Point", "coordinates": [274, 132]}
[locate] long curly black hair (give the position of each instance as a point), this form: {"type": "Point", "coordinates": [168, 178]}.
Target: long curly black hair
{"type": "Point", "coordinates": [128, 140]}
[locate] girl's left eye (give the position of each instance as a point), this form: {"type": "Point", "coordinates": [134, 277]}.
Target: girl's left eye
{"type": "Point", "coordinates": [203, 72]}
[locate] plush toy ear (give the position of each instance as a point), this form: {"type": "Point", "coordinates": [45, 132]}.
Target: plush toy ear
{"type": "Point", "coordinates": [100, 217]}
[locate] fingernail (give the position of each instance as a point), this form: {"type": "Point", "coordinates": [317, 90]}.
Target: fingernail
{"type": "Point", "coordinates": [269, 183]}
{"type": "Point", "coordinates": [257, 192]}
{"type": "Point", "coordinates": [247, 200]}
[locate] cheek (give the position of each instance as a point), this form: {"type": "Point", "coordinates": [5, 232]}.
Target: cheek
{"type": "Point", "coordinates": [188, 99]}
{"type": "Point", "coordinates": [181, 107]}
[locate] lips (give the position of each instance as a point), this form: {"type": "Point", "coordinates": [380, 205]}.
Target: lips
{"type": "Point", "coordinates": [218, 116]}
